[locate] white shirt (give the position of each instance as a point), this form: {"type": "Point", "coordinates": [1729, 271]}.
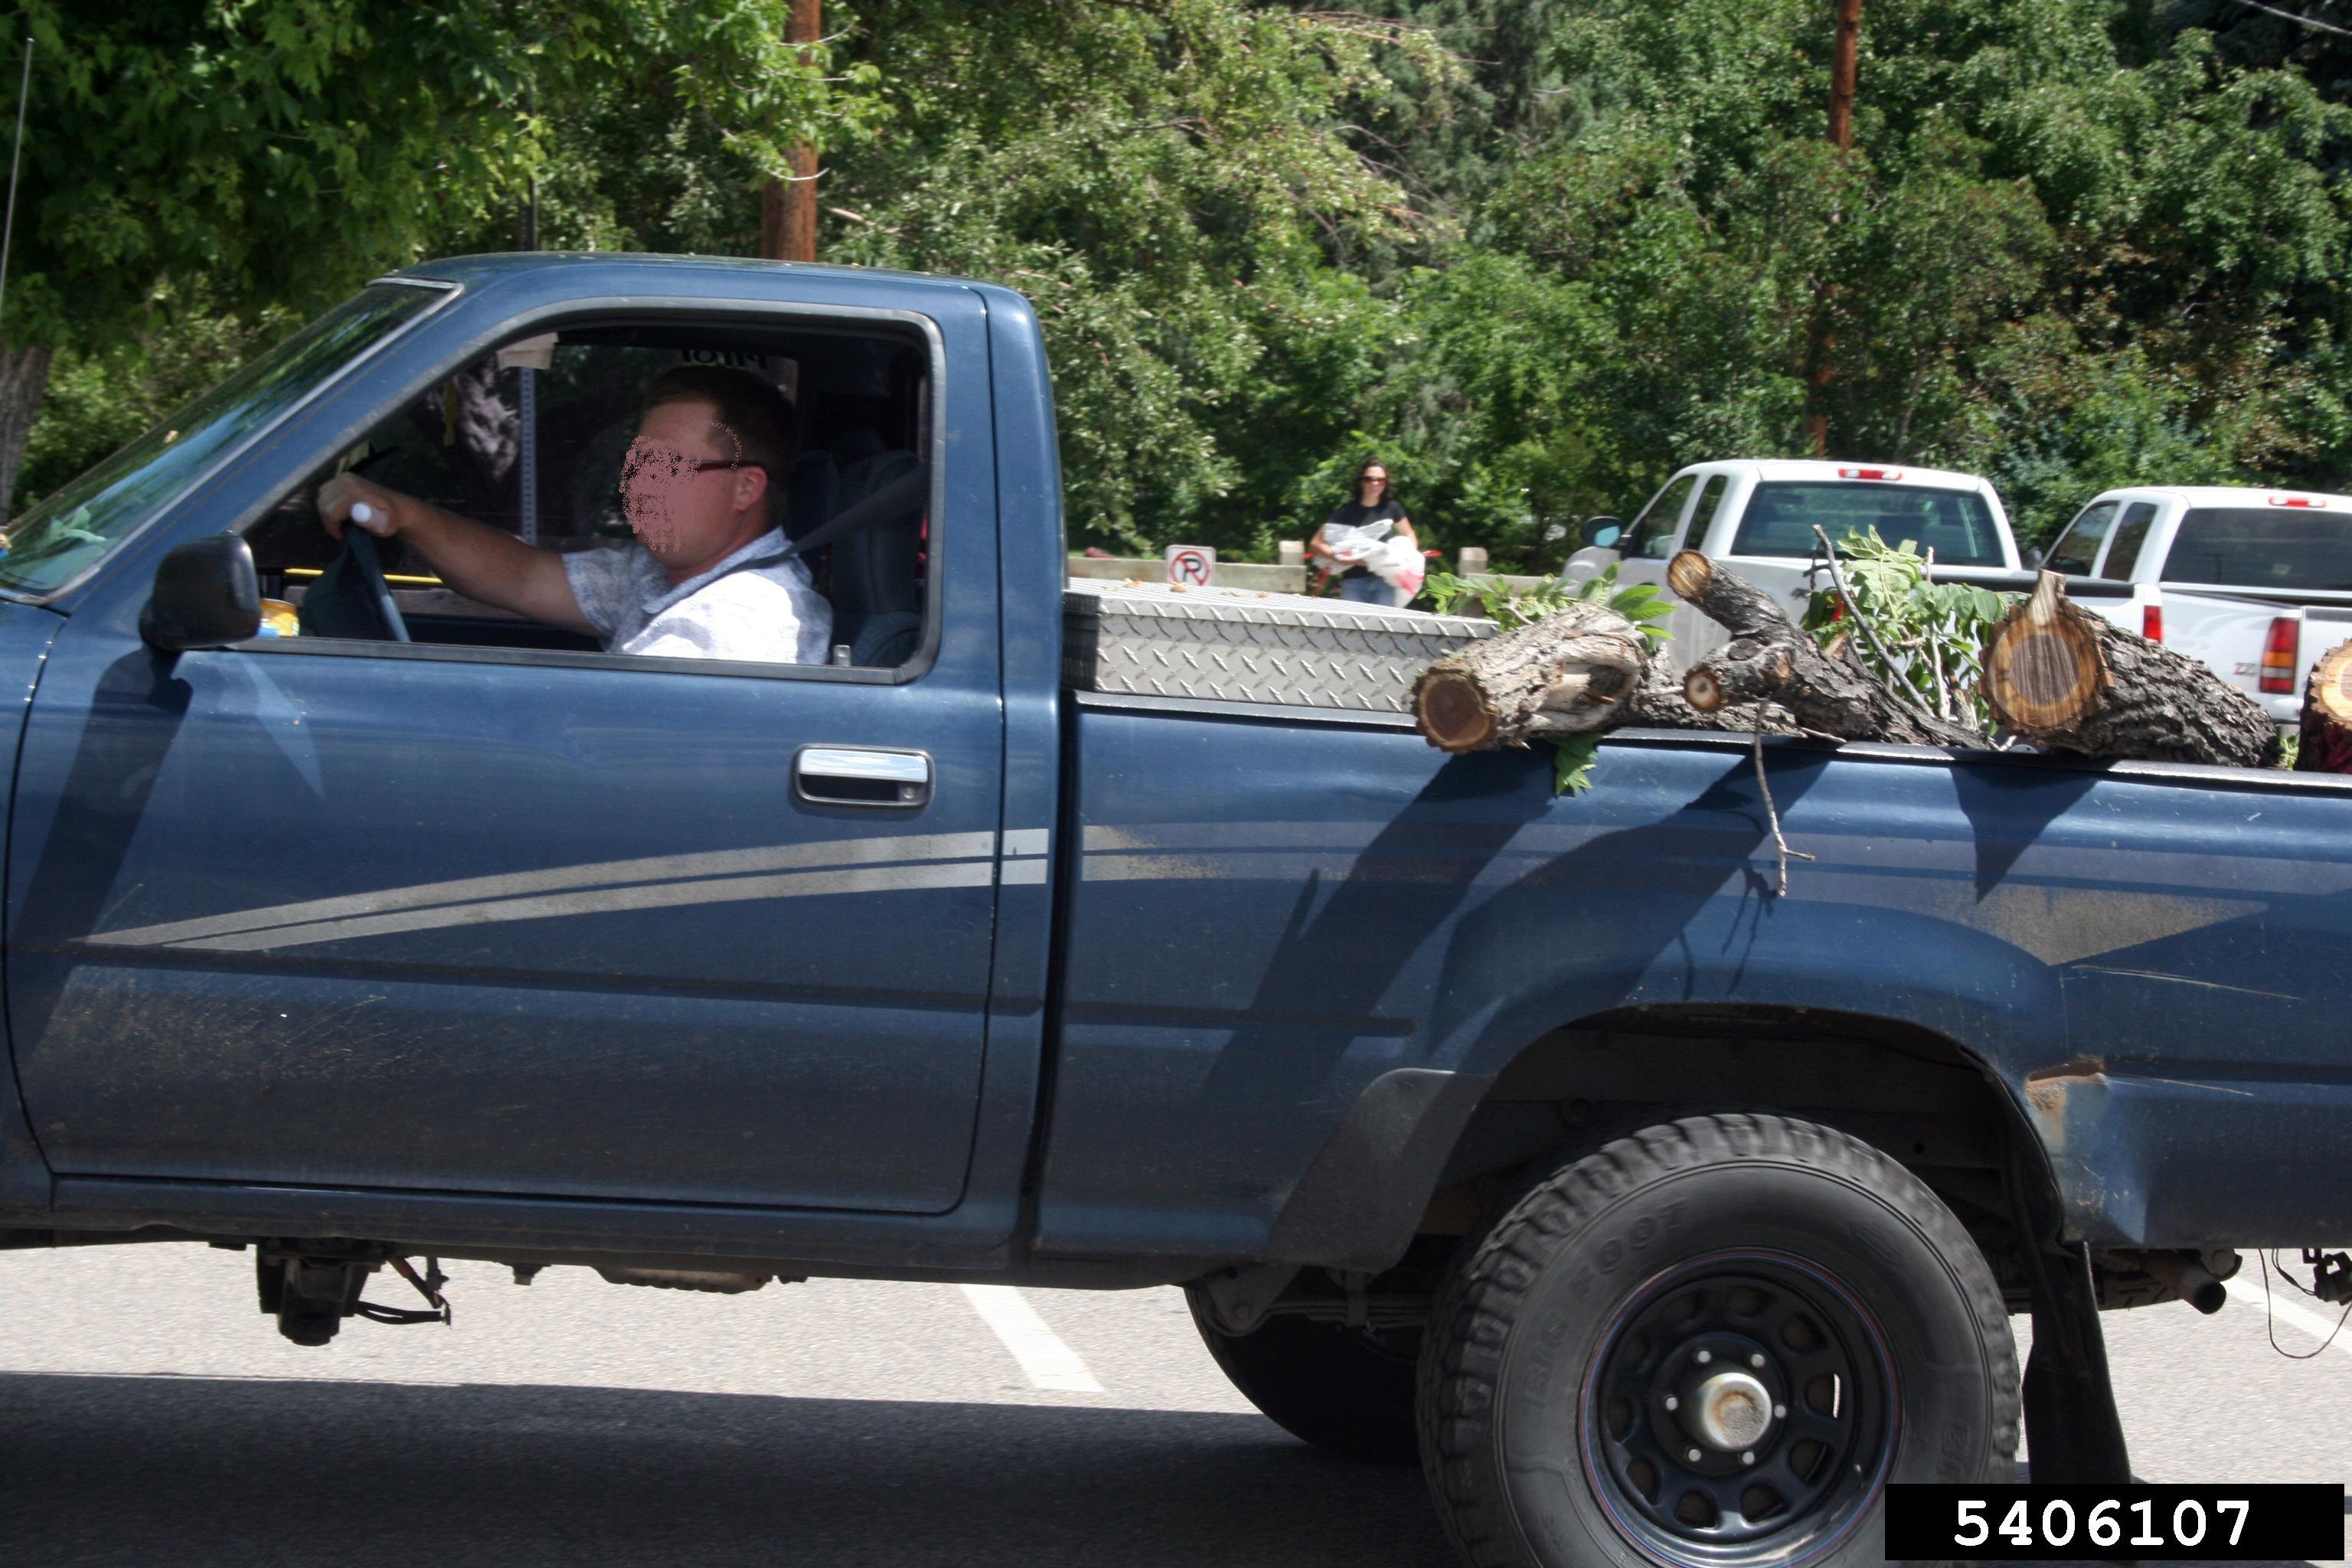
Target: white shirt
{"type": "Point", "coordinates": [771, 614]}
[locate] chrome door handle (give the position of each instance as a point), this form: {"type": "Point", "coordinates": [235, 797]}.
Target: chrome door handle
{"type": "Point", "coordinates": [858, 775]}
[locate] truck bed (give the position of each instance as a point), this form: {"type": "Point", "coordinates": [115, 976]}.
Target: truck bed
{"type": "Point", "coordinates": [1272, 916]}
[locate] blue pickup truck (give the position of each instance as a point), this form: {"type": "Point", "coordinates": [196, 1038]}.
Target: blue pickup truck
{"type": "Point", "coordinates": [1665, 1216]}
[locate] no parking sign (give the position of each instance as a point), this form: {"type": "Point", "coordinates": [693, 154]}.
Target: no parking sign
{"type": "Point", "coordinates": [1191, 565]}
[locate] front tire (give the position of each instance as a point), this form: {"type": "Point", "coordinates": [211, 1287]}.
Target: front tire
{"type": "Point", "coordinates": [1347, 1390]}
{"type": "Point", "coordinates": [1712, 1345]}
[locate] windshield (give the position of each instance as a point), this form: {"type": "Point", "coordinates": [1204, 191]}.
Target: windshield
{"type": "Point", "coordinates": [53, 542]}
{"type": "Point", "coordinates": [2261, 547]}
{"type": "Point", "coordinates": [1956, 524]}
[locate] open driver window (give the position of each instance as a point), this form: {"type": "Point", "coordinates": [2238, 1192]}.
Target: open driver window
{"type": "Point", "coordinates": [533, 440]}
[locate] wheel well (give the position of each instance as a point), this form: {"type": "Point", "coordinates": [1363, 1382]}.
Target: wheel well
{"type": "Point", "coordinates": [1909, 1092]}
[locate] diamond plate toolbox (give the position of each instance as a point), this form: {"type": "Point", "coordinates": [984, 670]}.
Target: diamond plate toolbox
{"type": "Point", "coordinates": [1232, 645]}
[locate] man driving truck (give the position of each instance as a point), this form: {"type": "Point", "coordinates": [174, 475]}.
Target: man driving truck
{"type": "Point", "coordinates": [699, 489]}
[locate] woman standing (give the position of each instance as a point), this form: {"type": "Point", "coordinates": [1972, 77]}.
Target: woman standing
{"type": "Point", "coordinates": [1358, 528]}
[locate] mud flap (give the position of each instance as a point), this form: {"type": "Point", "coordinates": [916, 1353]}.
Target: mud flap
{"type": "Point", "coordinates": [2073, 1431]}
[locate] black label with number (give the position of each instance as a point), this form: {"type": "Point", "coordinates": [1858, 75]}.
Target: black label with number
{"type": "Point", "coordinates": [2122, 1524]}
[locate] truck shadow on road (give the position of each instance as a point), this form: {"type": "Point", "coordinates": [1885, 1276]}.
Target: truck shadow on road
{"type": "Point", "coordinates": [252, 1472]}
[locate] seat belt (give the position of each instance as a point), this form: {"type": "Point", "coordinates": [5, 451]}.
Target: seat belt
{"type": "Point", "coordinates": [900, 495]}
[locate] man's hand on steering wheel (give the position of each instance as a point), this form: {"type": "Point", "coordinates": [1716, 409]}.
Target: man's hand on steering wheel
{"type": "Point", "coordinates": [347, 499]}
{"type": "Point", "coordinates": [340, 495]}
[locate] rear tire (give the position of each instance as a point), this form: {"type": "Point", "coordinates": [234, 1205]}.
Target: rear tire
{"type": "Point", "coordinates": [1347, 1390]}
{"type": "Point", "coordinates": [1712, 1342]}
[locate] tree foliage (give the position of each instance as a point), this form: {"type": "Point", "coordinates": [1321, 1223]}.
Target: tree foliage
{"type": "Point", "coordinates": [2066, 249]}
{"type": "Point", "coordinates": [186, 162]}
{"type": "Point", "coordinates": [1170, 183]}
{"type": "Point", "coordinates": [278, 151]}
{"type": "Point", "coordinates": [1932, 634]}
{"type": "Point", "coordinates": [1533, 254]}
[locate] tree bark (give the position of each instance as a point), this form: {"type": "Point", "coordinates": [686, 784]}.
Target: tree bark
{"type": "Point", "coordinates": [24, 376]}
{"type": "Point", "coordinates": [1770, 657]}
{"type": "Point", "coordinates": [2327, 745]}
{"type": "Point", "coordinates": [1563, 675]}
{"type": "Point", "coordinates": [2069, 680]}
{"type": "Point", "coordinates": [1659, 704]}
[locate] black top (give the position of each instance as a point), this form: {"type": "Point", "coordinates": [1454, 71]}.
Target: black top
{"type": "Point", "coordinates": [1356, 514]}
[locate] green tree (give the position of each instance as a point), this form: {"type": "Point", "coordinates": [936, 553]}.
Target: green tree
{"type": "Point", "coordinates": [1533, 254]}
{"type": "Point", "coordinates": [239, 155]}
{"type": "Point", "coordinates": [2070, 245]}
{"type": "Point", "coordinates": [1169, 181]}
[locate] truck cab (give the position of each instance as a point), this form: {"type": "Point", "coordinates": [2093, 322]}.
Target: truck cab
{"type": "Point", "coordinates": [526, 858]}
{"type": "Point", "coordinates": [2257, 583]}
{"type": "Point", "coordinates": [1758, 516]}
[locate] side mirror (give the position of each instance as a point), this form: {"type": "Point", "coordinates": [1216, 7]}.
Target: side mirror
{"type": "Point", "coordinates": [206, 594]}
{"type": "Point", "coordinates": [2032, 555]}
{"type": "Point", "coordinates": [1603, 532]}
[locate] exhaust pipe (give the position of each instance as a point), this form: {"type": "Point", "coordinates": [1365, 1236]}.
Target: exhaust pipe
{"type": "Point", "coordinates": [2186, 1277]}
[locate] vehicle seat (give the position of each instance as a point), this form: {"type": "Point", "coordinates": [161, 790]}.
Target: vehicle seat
{"type": "Point", "coordinates": [854, 447]}
{"type": "Point", "coordinates": [813, 493]}
{"type": "Point", "coordinates": [878, 572]}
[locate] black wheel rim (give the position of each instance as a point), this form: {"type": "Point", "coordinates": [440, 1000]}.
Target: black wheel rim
{"type": "Point", "coordinates": [1741, 1408]}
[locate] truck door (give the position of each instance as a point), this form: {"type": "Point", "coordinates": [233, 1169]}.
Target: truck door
{"type": "Point", "coordinates": [489, 913]}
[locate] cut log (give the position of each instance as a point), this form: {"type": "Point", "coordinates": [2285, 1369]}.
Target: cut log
{"type": "Point", "coordinates": [2068, 680]}
{"type": "Point", "coordinates": [1564, 675]}
{"type": "Point", "coordinates": [1770, 657]}
{"type": "Point", "coordinates": [1659, 704]}
{"type": "Point", "coordinates": [2327, 745]}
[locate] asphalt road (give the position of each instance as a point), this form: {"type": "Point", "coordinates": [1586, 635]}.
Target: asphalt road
{"type": "Point", "coordinates": [150, 1415]}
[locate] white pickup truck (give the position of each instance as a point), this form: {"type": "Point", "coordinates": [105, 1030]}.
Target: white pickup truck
{"type": "Point", "coordinates": [2257, 583]}
{"type": "Point", "coordinates": [1758, 516]}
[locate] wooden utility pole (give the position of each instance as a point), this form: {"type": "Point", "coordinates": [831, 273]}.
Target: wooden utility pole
{"type": "Point", "coordinates": [1841, 72]}
{"type": "Point", "coordinates": [788, 207]}
{"type": "Point", "coordinates": [1843, 55]}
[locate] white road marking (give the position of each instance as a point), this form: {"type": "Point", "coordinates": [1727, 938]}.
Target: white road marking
{"type": "Point", "coordinates": [1049, 1363]}
{"type": "Point", "coordinates": [2287, 1312]}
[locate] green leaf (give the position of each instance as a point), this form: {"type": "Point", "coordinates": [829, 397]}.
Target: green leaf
{"type": "Point", "coordinates": [1571, 766]}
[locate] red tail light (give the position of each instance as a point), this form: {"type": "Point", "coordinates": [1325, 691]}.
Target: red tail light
{"type": "Point", "coordinates": [2279, 654]}
{"type": "Point", "coordinates": [1869, 473]}
{"type": "Point", "coordinates": [2313, 501]}
{"type": "Point", "coordinates": [2151, 622]}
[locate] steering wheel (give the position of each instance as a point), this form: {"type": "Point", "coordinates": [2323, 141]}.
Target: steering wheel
{"type": "Point", "coordinates": [351, 598]}
{"type": "Point", "coordinates": [358, 545]}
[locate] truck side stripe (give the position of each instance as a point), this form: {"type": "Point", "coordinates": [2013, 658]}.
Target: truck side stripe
{"type": "Point", "coordinates": [663, 869]}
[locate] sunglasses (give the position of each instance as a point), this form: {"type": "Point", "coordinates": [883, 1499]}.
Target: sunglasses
{"type": "Point", "coordinates": [675, 465]}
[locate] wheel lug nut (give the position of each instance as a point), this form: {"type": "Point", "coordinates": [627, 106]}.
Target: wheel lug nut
{"type": "Point", "coordinates": [1757, 1362]}
{"type": "Point", "coordinates": [1694, 1455]}
{"type": "Point", "coordinates": [1705, 1356]}
{"type": "Point", "coordinates": [1746, 1458]}
{"type": "Point", "coordinates": [1780, 1413]}
{"type": "Point", "coordinates": [1672, 1404]}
